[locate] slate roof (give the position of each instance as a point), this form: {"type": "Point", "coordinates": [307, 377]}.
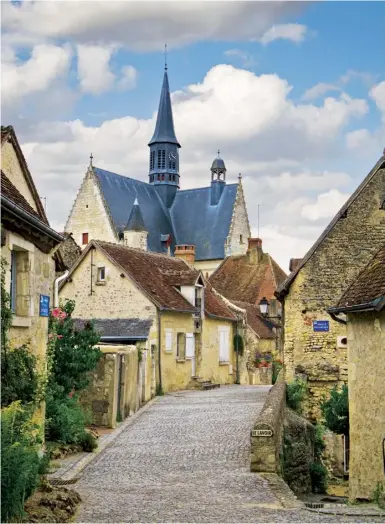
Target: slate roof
{"type": "Point", "coordinates": [133, 328]}
{"type": "Point", "coordinates": [368, 289]}
{"type": "Point", "coordinates": [238, 278]}
{"type": "Point", "coordinates": [261, 326]}
{"type": "Point", "coordinates": [164, 129]}
{"type": "Point", "coordinates": [14, 195]}
{"type": "Point", "coordinates": [191, 219]}
{"type": "Point", "coordinates": [284, 287]}
{"type": "Point", "coordinates": [198, 223]}
{"type": "Point", "coordinates": [135, 221]}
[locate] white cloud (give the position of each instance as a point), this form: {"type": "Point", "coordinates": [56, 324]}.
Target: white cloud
{"type": "Point", "coordinates": [377, 93]}
{"type": "Point", "coordinates": [326, 205]}
{"type": "Point", "coordinates": [141, 25]}
{"type": "Point", "coordinates": [94, 68]}
{"type": "Point", "coordinates": [128, 78]}
{"type": "Point", "coordinates": [246, 59]}
{"type": "Point", "coordinates": [319, 90]}
{"type": "Point", "coordinates": [294, 32]}
{"type": "Point", "coordinates": [46, 64]}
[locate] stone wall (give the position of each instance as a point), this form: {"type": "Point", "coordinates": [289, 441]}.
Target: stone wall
{"type": "Point", "coordinates": [89, 215]}
{"type": "Point", "coordinates": [267, 432]}
{"type": "Point", "coordinates": [211, 368]}
{"type": "Point", "coordinates": [366, 340]}
{"type": "Point", "coordinates": [115, 390]}
{"type": "Point", "coordinates": [237, 240]}
{"type": "Point", "coordinates": [349, 246]}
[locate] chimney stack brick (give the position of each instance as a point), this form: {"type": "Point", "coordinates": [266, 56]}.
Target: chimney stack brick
{"type": "Point", "coordinates": [186, 252]}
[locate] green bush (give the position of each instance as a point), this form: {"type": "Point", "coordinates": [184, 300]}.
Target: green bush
{"type": "Point", "coordinates": [277, 366]}
{"type": "Point", "coordinates": [319, 442]}
{"type": "Point", "coordinates": [19, 378]}
{"type": "Point", "coordinates": [295, 394]}
{"type": "Point", "coordinates": [20, 462]}
{"type": "Point", "coordinates": [238, 344]}
{"type": "Point", "coordinates": [65, 420]}
{"type": "Point", "coordinates": [335, 411]}
{"type": "Point", "coordinates": [88, 442]}
{"type": "Point", "coordinates": [319, 477]}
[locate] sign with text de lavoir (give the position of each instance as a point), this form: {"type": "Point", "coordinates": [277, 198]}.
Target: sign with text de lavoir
{"type": "Point", "coordinates": [44, 306]}
{"type": "Point", "coordinates": [320, 325]}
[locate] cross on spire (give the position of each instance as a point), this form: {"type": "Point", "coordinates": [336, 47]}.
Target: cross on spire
{"type": "Point", "coordinates": [165, 57]}
{"type": "Point", "coordinates": [91, 158]}
{"type": "Point", "coordinates": [219, 153]}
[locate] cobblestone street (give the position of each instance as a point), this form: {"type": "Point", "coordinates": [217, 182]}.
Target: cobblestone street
{"type": "Point", "coordinates": [186, 459]}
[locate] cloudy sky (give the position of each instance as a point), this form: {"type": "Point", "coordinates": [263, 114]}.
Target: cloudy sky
{"type": "Point", "coordinates": [293, 94]}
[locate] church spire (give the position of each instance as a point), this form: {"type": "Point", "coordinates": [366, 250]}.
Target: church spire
{"type": "Point", "coordinates": [164, 155]}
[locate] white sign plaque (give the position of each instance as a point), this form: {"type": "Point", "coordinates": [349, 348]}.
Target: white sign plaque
{"type": "Point", "coordinates": [261, 433]}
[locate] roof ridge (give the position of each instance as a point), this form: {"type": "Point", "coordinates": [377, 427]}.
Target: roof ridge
{"type": "Point", "coordinates": [122, 176]}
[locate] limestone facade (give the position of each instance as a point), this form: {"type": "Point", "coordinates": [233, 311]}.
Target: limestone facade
{"type": "Point", "coordinates": [349, 242]}
{"type": "Point", "coordinates": [237, 240]}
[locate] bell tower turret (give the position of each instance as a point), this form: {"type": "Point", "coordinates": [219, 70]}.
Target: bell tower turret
{"type": "Point", "coordinates": [218, 179]}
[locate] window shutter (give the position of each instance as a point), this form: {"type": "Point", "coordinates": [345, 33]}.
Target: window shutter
{"type": "Point", "coordinates": [169, 341]}
{"type": "Point", "coordinates": [224, 354]}
{"type": "Point", "coordinates": [190, 345]}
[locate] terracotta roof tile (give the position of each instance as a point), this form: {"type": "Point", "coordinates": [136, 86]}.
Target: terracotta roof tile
{"type": "Point", "coordinates": [261, 326]}
{"type": "Point", "coordinates": [13, 194]}
{"type": "Point", "coordinates": [215, 306]}
{"type": "Point", "coordinates": [148, 270]}
{"type": "Point", "coordinates": [239, 278]}
{"type": "Point", "coordinates": [369, 285]}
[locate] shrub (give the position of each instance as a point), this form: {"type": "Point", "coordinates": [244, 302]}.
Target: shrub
{"type": "Point", "coordinates": [20, 462]}
{"type": "Point", "coordinates": [66, 420]}
{"type": "Point", "coordinates": [319, 442]}
{"type": "Point", "coordinates": [19, 378]}
{"type": "Point", "coordinates": [295, 393]}
{"type": "Point", "coordinates": [319, 476]}
{"type": "Point", "coordinates": [335, 411]}
{"type": "Point", "coordinates": [88, 442]}
{"type": "Point", "coordinates": [277, 366]}
{"type": "Point", "coordinates": [238, 344]}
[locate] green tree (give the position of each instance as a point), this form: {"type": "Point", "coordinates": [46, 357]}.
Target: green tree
{"type": "Point", "coordinates": [335, 411]}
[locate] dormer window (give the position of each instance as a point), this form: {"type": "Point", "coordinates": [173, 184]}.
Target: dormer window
{"type": "Point", "coordinates": [198, 297]}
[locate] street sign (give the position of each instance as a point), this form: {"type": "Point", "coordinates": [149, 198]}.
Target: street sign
{"type": "Point", "coordinates": [261, 433]}
{"type": "Point", "coordinates": [320, 325]}
{"type": "Point", "coordinates": [44, 306]}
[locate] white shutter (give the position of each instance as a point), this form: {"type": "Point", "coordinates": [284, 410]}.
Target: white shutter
{"type": "Point", "coordinates": [224, 350]}
{"type": "Point", "coordinates": [168, 333]}
{"type": "Point", "coordinates": [190, 345]}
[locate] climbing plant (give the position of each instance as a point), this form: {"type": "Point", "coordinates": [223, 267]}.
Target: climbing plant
{"type": "Point", "coordinates": [238, 344]}
{"type": "Point", "coordinates": [335, 411]}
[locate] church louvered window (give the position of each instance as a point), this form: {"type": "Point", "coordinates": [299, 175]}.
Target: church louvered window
{"type": "Point", "coordinates": [159, 159]}
{"type": "Point", "coordinates": [171, 164]}
{"type": "Point", "coordinates": [152, 160]}
{"type": "Point", "coordinates": [163, 159]}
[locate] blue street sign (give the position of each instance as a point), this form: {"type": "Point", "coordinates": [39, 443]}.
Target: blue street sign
{"type": "Point", "coordinates": [44, 306]}
{"type": "Point", "coordinates": [320, 325]}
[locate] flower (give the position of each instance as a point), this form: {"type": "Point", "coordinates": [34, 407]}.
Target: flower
{"type": "Point", "coordinates": [59, 336]}
{"type": "Point", "coordinates": [56, 312]}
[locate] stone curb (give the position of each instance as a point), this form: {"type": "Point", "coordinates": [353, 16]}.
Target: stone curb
{"type": "Point", "coordinates": [347, 512]}
{"type": "Point", "coordinates": [282, 491]}
{"type": "Point", "coordinates": [71, 475]}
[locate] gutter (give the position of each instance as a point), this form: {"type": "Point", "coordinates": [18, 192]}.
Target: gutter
{"type": "Point", "coordinates": [56, 293]}
{"type": "Point", "coordinates": [374, 305]}
{"type": "Point", "coordinates": [336, 318]}
{"type": "Point", "coordinates": [24, 215]}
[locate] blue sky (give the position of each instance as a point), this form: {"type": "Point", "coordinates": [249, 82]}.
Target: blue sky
{"type": "Point", "coordinates": [292, 94]}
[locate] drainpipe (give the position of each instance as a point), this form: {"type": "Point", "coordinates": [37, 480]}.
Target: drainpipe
{"type": "Point", "coordinates": [237, 352]}
{"type": "Point", "coordinates": [56, 285]}
{"type": "Point", "coordinates": [159, 349]}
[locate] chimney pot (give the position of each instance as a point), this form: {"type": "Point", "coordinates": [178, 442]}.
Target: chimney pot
{"type": "Point", "coordinates": [186, 252]}
{"type": "Point", "coordinates": [255, 243]}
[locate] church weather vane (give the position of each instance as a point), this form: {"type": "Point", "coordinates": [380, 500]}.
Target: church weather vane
{"type": "Point", "coordinates": [91, 159]}
{"type": "Point", "coordinates": [165, 57]}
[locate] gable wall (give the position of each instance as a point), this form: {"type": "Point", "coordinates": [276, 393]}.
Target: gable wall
{"type": "Point", "coordinates": [92, 219]}
{"type": "Point", "coordinates": [11, 167]}
{"type": "Point", "coordinates": [239, 226]}
{"type": "Point", "coordinates": [117, 298]}
{"type": "Point", "coordinates": [318, 286]}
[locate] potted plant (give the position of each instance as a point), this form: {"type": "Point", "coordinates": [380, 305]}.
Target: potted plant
{"type": "Point", "coordinates": [258, 358]}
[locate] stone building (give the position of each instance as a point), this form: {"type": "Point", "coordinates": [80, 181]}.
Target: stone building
{"type": "Point", "coordinates": [29, 247]}
{"type": "Point", "coordinates": [245, 280]}
{"type": "Point", "coordinates": [363, 305]}
{"type": "Point", "coordinates": [190, 330]}
{"type": "Point", "coordinates": [314, 345]}
{"type": "Point", "coordinates": [213, 219]}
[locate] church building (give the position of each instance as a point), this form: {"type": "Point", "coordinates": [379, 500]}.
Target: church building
{"type": "Point", "coordinates": [204, 224]}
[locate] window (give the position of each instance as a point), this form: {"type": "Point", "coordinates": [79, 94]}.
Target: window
{"type": "Point", "coordinates": [190, 345]}
{"type": "Point", "coordinates": [168, 333]}
{"type": "Point", "coordinates": [84, 238]}
{"type": "Point", "coordinates": [163, 159]}
{"type": "Point", "coordinates": [86, 206]}
{"type": "Point", "coordinates": [241, 239]}
{"type": "Point", "coordinates": [20, 281]}
{"type": "Point", "coordinates": [152, 160]}
{"type": "Point", "coordinates": [198, 297]}
{"type": "Point", "coordinates": [181, 346]}
{"type": "Point", "coordinates": [159, 159]}
{"type": "Point", "coordinates": [224, 347]}
{"type": "Point", "coordinates": [101, 274]}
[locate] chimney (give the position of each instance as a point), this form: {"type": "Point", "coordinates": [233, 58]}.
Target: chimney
{"type": "Point", "coordinates": [254, 251]}
{"type": "Point", "coordinates": [186, 252]}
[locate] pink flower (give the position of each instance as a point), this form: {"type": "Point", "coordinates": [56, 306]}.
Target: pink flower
{"type": "Point", "coordinates": [50, 336]}
{"type": "Point", "coordinates": [56, 312]}
{"type": "Point", "coordinates": [59, 336]}
{"type": "Point", "coordinates": [71, 393]}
